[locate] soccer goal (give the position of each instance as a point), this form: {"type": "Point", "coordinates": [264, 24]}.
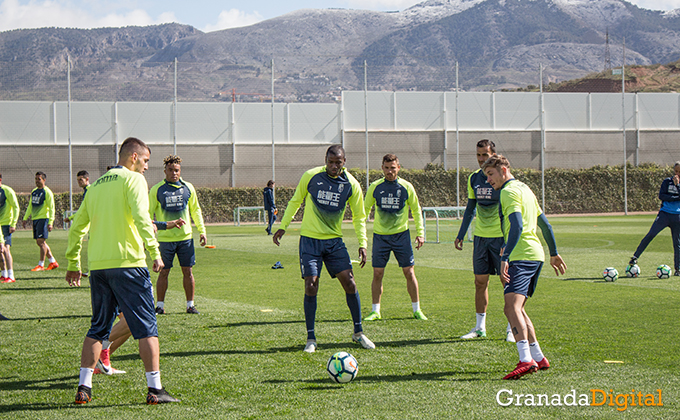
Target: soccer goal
{"type": "Point", "coordinates": [442, 224]}
{"type": "Point", "coordinates": [253, 214]}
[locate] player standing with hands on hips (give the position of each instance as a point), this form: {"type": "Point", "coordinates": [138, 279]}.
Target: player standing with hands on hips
{"type": "Point", "coordinates": [668, 216]}
{"type": "Point", "coordinates": [116, 213]}
{"type": "Point", "coordinates": [522, 259]}
{"type": "Point", "coordinates": [326, 191]}
{"type": "Point", "coordinates": [393, 197]}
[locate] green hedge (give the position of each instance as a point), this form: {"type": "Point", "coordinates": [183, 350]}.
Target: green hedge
{"type": "Point", "coordinates": [594, 190]}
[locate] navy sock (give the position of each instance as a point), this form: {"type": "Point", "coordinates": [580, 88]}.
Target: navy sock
{"type": "Point", "coordinates": [310, 315]}
{"type": "Point", "coordinates": [354, 304]}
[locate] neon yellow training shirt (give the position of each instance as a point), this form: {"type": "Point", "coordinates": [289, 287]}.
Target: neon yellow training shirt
{"type": "Point", "coordinates": [9, 207]}
{"type": "Point", "coordinates": [325, 201]}
{"type": "Point", "coordinates": [518, 197]}
{"type": "Point", "coordinates": [391, 212]}
{"type": "Point", "coordinates": [170, 201]}
{"type": "Point", "coordinates": [41, 205]}
{"type": "Point", "coordinates": [116, 213]}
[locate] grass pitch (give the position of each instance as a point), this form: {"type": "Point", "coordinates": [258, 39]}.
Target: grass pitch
{"type": "Point", "coordinates": [242, 357]}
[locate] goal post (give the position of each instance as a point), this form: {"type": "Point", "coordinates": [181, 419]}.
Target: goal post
{"type": "Point", "coordinates": [442, 224]}
{"type": "Point", "coordinates": [252, 214]}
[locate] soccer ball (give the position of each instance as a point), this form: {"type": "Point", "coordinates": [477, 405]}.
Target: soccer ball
{"type": "Point", "coordinates": [663, 271]}
{"type": "Point", "coordinates": [633, 271]}
{"type": "Point", "coordinates": [342, 367]}
{"type": "Point", "coordinates": [610, 274]}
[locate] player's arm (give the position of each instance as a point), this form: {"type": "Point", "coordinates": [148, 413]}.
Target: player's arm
{"type": "Point", "coordinates": [51, 211]}
{"type": "Point", "coordinates": [664, 195]}
{"type": "Point", "coordinates": [469, 214]}
{"type": "Point", "coordinates": [78, 229]}
{"type": "Point", "coordinates": [293, 206]}
{"type": "Point", "coordinates": [369, 200]}
{"type": "Point", "coordinates": [14, 208]}
{"type": "Point", "coordinates": [29, 210]}
{"type": "Point", "coordinates": [197, 215]}
{"type": "Point", "coordinates": [356, 203]}
{"type": "Point", "coordinates": [138, 200]}
{"type": "Point", "coordinates": [417, 212]}
{"type": "Point", "coordinates": [556, 261]}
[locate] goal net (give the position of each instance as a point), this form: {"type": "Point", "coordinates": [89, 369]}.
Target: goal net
{"type": "Point", "coordinates": [442, 224]}
{"type": "Point", "coordinates": [250, 215]}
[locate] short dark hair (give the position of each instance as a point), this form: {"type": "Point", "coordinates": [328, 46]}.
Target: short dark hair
{"type": "Point", "coordinates": [335, 150]}
{"type": "Point", "coordinates": [390, 157]}
{"type": "Point", "coordinates": [42, 174]}
{"type": "Point", "coordinates": [83, 173]}
{"type": "Point", "coordinates": [132, 145]}
{"type": "Point", "coordinates": [270, 183]}
{"type": "Point", "coordinates": [487, 143]}
{"type": "Point", "coordinates": [495, 161]}
{"type": "Point", "coordinates": [171, 160]}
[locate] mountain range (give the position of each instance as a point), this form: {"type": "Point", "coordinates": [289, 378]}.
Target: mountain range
{"type": "Point", "coordinates": [498, 44]}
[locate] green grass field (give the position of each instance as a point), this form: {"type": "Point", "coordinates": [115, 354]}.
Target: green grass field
{"type": "Point", "coordinates": [242, 357]}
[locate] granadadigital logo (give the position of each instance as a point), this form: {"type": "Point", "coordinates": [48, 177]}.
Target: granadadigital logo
{"type": "Point", "coordinates": [594, 398]}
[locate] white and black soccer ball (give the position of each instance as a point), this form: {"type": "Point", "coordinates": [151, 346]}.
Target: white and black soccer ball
{"type": "Point", "coordinates": [663, 271]}
{"type": "Point", "coordinates": [610, 274]}
{"type": "Point", "coordinates": [633, 271]}
{"type": "Point", "coordinates": [342, 367]}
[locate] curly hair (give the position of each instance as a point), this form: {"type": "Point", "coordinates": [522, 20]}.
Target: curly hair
{"type": "Point", "coordinates": [171, 160]}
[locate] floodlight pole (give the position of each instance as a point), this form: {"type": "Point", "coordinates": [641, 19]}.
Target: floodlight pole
{"type": "Point", "coordinates": [366, 118]}
{"type": "Point", "coordinates": [542, 111]}
{"type": "Point", "coordinates": [457, 144]}
{"type": "Point", "coordinates": [70, 146]}
{"type": "Point", "coordinates": [623, 120]}
{"type": "Point", "coordinates": [174, 114]}
{"type": "Point", "coordinates": [272, 118]}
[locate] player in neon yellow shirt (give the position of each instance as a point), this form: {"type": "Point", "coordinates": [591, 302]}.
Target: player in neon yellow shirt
{"type": "Point", "coordinates": [9, 214]}
{"type": "Point", "coordinates": [522, 259]}
{"type": "Point", "coordinates": [116, 214]}
{"type": "Point", "coordinates": [41, 210]}
{"type": "Point", "coordinates": [326, 191]}
{"type": "Point", "coordinates": [171, 199]}
{"type": "Point", "coordinates": [393, 197]}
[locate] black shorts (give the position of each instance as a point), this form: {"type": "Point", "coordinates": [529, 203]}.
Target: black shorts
{"type": "Point", "coordinates": [186, 254]}
{"type": "Point", "coordinates": [486, 257]}
{"type": "Point", "coordinates": [399, 243]}
{"type": "Point", "coordinates": [40, 230]}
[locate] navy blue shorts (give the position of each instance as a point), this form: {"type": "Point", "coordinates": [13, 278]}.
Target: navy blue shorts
{"type": "Point", "coordinates": [523, 277]}
{"type": "Point", "coordinates": [184, 250]}
{"type": "Point", "coordinates": [7, 235]}
{"type": "Point", "coordinates": [40, 230]}
{"type": "Point", "coordinates": [399, 243]}
{"type": "Point", "coordinates": [486, 257]}
{"type": "Point", "coordinates": [315, 252]}
{"type": "Point", "coordinates": [126, 290]}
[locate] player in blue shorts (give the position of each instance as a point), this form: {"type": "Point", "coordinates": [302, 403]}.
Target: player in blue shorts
{"type": "Point", "coordinates": [668, 216]}
{"type": "Point", "coordinates": [326, 191]}
{"type": "Point", "coordinates": [9, 214]}
{"type": "Point", "coordinates": [486, 257]}
{"type": "Point", "coordinates": [41, 210]}
{"type": "Point", "coordinates": [116, 213]}
{"type": "Point", "coordinates": [522, 259]}
{"type": "Point", "coordinates": [393, 197]}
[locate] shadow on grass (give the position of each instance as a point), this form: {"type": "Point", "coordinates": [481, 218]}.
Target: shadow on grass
{"type": "Point", "coordinates": [433, 376]}
{"type": "Point", "coordinates": [46, 406]}
{"type": "Point", "coordinates": [38, 318]}
{"type": "Point", "coordinates": [30, 289]}
{"type": "Point", "coordinates": [12, 384]}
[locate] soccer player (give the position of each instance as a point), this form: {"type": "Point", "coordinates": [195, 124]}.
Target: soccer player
{"type": "Point", "coordinates": [9, 214]}
{"type": "Point", "coordinates": [116, 213]}
{"type": "Point", "coordinates": [83, 179]}
{"type": "Point", "coordinates": [41, 210]}
{"type": "Point", "coordinates": [391, 195]}
{"type": "Point", "coordinates": [326, 191]}
{"type": "Point", "coordinates": [270, 205]}
{"type": "Point", "coordinates": [668, 216]}
{"type": "Point", "coordinates": [171, 199]}
{"type": "Point", "coordinates": [486, 256]}
{"type": "Point", "coordinates": [522, 259]}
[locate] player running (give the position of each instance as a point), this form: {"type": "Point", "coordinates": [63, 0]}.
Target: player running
{"type": "Point", "coordinates": [41, 210]}
{"type": "Point", "coordinates": [486, 257]}
{"type": "Point", "coordinates": [668, 216]}
{"type": "Point", "coordinates": [174, 198]}
{"type": "Point", "coordinates": [391, 195]}
{"type": "Point", "coordinates": [326, 191]}
{"type": "Point", "coordinates": [9, 214]}
{"type": "Point", "coordinates": [522, 259]}
{"type": "Point", "coordinates": [116, 213]}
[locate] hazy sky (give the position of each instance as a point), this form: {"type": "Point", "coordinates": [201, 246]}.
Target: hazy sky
{"type": "Point", "coordinates": [202, 14]}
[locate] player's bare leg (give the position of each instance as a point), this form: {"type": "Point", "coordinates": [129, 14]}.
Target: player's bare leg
{"type": "Point", "coordinates": [376, 293]}
{"type": "Point", "coordinates": [161, 289]}
{"type": "Point", "coordinates": [189, 289]}
{"type": "Point", "coordinates": [413, 291]}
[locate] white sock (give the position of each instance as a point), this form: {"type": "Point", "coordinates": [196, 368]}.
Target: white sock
{"type": "Point", "coordinates": [10, 274]}
{"type": "Point", "coordinates": [160, 304]}
{"type": "Point", "coordinates": [41, 263]}
{"type": "Point", "coordinates": [536, 352]}
{"type": "Point", "coordinates": [190, 303]}
{"type": "Point", "coordinates": [106, 344]}
{"type": "Point", "coordinates": [524, 352]}
{"type": "Point", "coordinates": [52, 259]}
{"type": "Point", "coordinates": [86, 377]}
{"type": "Point", "coordinates": [509, 328]}
{"type": "Point", "coordinates": [481, 322]}
{"type": "Point", "coordinates": [375, 307]}
{"type": "Point", "coordinates": [416, 306]}
{"type": "Point", "coordinates": [4, 273]}
{"type": "Point", "coordinates": [153, 379]}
